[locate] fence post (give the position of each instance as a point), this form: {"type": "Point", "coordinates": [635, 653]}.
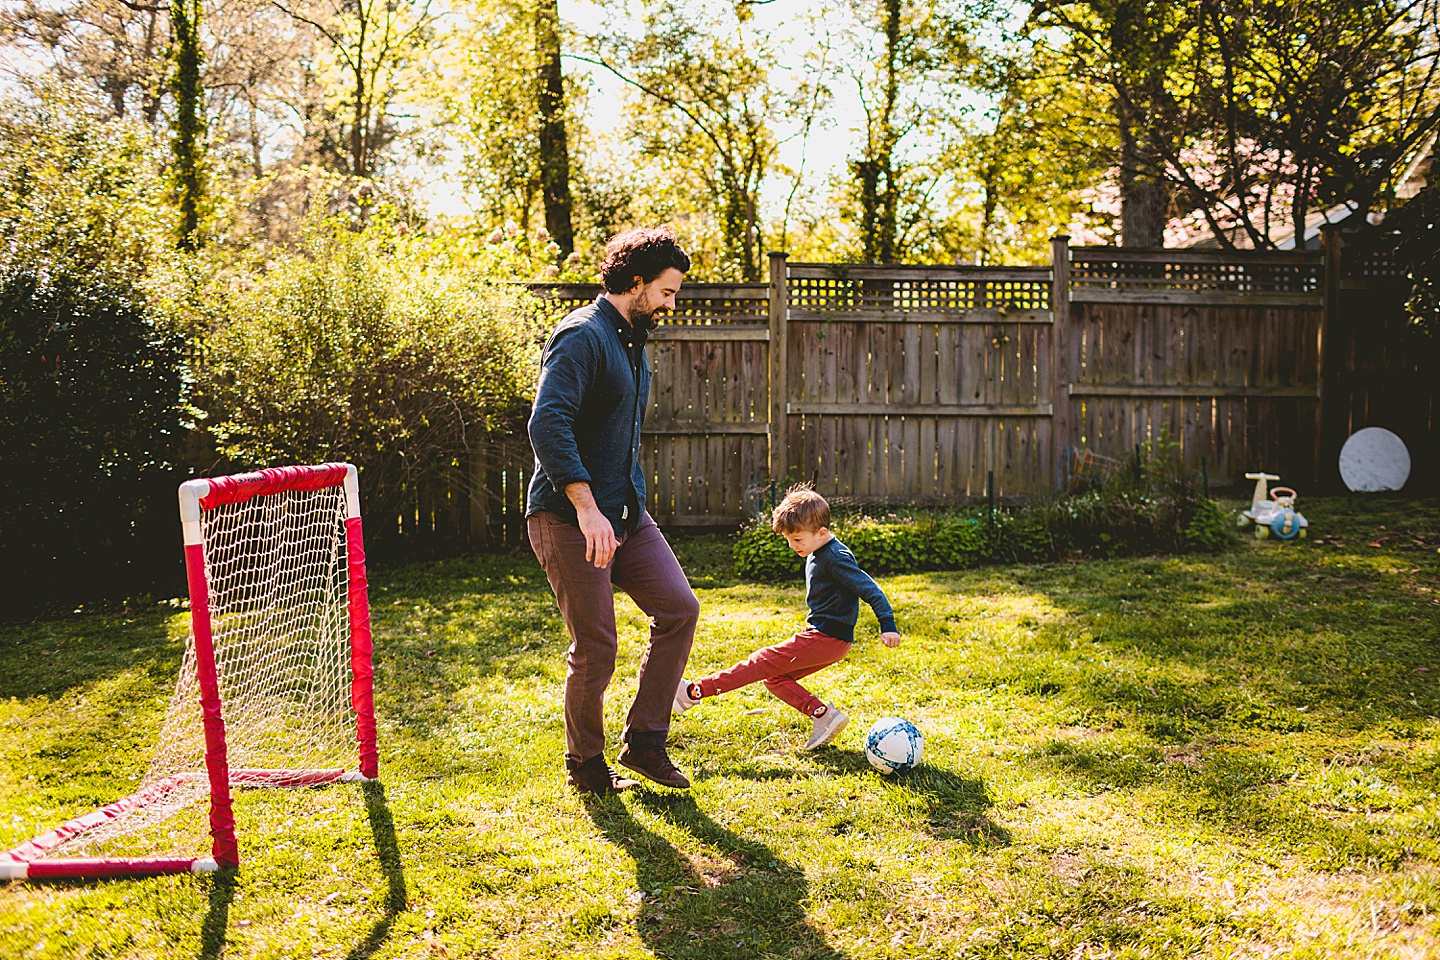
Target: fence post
{"type": "Point", "coordinates": [779, 385]}
{"type": "Point", "coordinates": [1328, 434]}
{"type": "Point", "coordinates": [1059, 353]}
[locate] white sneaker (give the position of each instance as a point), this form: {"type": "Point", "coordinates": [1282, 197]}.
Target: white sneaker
{"type": "Point", "coordinates": [683, 701]}
{"type": "Point", "coordinates": [827, 728]}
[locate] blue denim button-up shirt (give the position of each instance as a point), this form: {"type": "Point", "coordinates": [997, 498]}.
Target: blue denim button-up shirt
{"type": "Point", "coordinates": [589, 408]}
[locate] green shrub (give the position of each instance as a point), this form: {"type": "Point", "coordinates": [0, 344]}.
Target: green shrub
{"type": "Point", "coordinates": [1148, 513]}
{"type": "Point", "coordinates": [762, 554]}
{"type": "Point", "coordinates": [360, 348]}
{"type": "Point", "coordinates": [89, 424]}
{"type": "Point", "coordinates": [91, 372]}
{"type": "Point", "coordinates": [1209, 529]}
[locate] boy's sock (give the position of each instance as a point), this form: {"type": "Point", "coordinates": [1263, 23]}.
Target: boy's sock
{"type": "Point", "coordinates": [820, 711]}
{"type": "Point", "coordinates": [694, 691]}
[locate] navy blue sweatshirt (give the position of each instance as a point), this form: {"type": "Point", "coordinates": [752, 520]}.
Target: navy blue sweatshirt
{"type": "Point", "coordinates": [834, 587]}
{"type": "Point", "coordinates": [589, 408]}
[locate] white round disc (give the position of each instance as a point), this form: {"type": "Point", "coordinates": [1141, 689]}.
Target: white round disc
{"type": "Point", "coordinates": [1374, 459]}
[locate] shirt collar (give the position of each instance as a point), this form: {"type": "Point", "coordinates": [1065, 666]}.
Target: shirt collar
{"type": "Point", "coordinates": [620, 324]}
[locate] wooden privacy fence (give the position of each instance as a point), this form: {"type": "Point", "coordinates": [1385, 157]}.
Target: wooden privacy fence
{"type": "Point", "coordinates": [917, 383]}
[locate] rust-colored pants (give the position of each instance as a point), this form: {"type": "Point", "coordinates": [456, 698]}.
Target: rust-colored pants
{"type": "Point", "coordinates": [644, 567]}
{"type": "Point", "coordinates": [780, 667]}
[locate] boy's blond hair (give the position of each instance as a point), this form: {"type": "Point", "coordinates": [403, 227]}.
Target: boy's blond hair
{"type": "Point", "coordinates": [802, 510]}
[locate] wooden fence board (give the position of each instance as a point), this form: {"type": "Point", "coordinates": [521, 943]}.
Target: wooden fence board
{"type": "Point", "coordinates": [906, 383]}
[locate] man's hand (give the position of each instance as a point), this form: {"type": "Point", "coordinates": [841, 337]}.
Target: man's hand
{"type": "Point", "coordinates": [890, 639]}
{"type": "Point", "coordinates": [600, 542]}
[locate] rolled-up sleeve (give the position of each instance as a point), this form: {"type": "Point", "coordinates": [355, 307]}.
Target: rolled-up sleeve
{"type": "Point", "coordinates": [566, 371]}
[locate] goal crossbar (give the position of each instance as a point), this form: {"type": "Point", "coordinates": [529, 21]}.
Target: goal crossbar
{"type": "Point", "coordinates": [197, 499]}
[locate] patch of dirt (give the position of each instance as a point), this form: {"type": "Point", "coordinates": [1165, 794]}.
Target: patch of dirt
{"type": "Point", "coordinates": [1069, 867]}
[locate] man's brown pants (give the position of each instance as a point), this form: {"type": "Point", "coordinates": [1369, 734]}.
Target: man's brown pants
{"type": "Point", "coordinates": [644, 567]}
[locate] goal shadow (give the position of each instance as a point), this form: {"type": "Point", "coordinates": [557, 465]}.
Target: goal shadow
{"type": "Point", "coordinates": [387, 852]}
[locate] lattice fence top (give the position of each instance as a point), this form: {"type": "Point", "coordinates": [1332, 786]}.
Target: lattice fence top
{"type": "Point", "coordinates": [1370, 260]}
{"type": "Point", "coordinates": [697, 304]}
{"type": "Point", "coordinates": [827, 289]}
{"type": "Point", "coordinates": [1144, 272]}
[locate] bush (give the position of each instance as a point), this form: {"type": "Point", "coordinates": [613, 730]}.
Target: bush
{"type": "Point", "coordinates": [360, 349]}
{"type": "Point", "coordinates": [89, 426]}
{"type": "Point", "coordinates": [91, 374]}
{"type": "Point", "coordinates": [1131, 515]}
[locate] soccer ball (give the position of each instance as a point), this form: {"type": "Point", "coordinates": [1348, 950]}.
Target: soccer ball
{"type": "Point", "coordinates": [893, 745]}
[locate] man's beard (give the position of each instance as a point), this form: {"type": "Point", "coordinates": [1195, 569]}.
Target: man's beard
{"type": "Point", "coordinates": [642, 316]}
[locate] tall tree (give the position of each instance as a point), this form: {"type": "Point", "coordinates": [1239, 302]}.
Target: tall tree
{"type": "Point", "coordinates": [906, 61]}
{"type": "Point", "coordinates": [1029, 166]}
{"type": "Point", "coordinates": [554, 148]}
{"type": "Point", "coordinates": [1254, 116]}
{"type": "Point", "coordinates": [1131, 47]}
{"type": "Point", "coordinates": [875, 172]}
{"type": "Point", "coordinates": [709, 107]}
{"type": "Point", "coordinates": [119, 48]}
{"type": "Point", "coordinates": [188, 144]}
{"type": "Point", "coordinates": [373, 43]}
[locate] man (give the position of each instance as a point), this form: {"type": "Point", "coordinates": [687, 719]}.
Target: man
{"type": "Point", "coordinates": [586, 511]}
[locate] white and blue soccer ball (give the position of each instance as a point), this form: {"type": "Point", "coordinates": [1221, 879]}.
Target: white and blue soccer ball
{"type": "Point", "coordinates": [893, 745]}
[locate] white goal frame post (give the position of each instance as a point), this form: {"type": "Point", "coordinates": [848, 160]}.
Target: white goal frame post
{"type": "Point", "coordinates": [40, 858]}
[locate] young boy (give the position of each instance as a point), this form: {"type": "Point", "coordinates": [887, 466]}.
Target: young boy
{"type": "Point", "coordinates": [834, 587]}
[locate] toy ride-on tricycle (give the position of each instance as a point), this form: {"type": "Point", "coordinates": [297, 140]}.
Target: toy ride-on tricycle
{"type": "Point", "coordinates": [1273, 511]}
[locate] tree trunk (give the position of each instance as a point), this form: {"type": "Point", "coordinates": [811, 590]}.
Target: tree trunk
{"type": "Point", "coordinates": [875, 173]}
{"type": "Point", "coordinates": [1144, 198]}
{"type": "Point", "coordinates": [554, 147]}
{"type": "Point", "coordinates": [189, 119]}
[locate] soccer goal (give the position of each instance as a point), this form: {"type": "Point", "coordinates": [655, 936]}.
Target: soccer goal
{"type": "Point", "coordinates": [275, 688]}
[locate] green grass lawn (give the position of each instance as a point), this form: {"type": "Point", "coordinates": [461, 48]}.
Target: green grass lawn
{"type": "Point", "coordinates": [1206, 756]}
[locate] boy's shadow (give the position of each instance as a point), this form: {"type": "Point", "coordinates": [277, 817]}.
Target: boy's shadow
{"type": "Point", "coordinates": [956, 807]}
{"type": "Point", "coordinates": [735, 899]}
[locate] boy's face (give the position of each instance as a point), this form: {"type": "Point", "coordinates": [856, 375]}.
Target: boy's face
{"type": "Point", "coordinates": [806, 542]}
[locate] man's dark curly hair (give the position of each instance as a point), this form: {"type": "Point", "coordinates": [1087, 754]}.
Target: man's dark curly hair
{"type": "Point", "coordinates": [645, 252]}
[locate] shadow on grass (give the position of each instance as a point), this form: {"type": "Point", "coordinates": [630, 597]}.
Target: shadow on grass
{"type": "Point", "coordinates": [956, 807]}
{"type": "Point", "coordinates": [387, 851]}
{"type": "Point", "coordinates": [49, 658]}
{"type": "Point", "coordinates": [217, 918]}
{"type": "Point", "coordinates": [748, 903]}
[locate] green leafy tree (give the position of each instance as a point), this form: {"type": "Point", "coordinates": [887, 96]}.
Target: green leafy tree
{"type": "Point", "coordinates": [1136, 51]}
{"type": "Point", "coordinates": [375, 346]}
{"type": "Point", "coordinates": [1249, 116]}
{"type": "Point", "coordinates": [907, 62]}
{"type": "Point", "coordinates": [553, 143]}
{"type": "Point", "coordinates": [370, 48]}
{"type": "Point", "coordinates": [706, 118]}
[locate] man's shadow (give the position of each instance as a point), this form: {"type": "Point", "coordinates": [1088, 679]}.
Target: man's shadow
{"type": "Point", "coordinates": [387, 851]}
{"type": "Point", "coordinates": [748, 903]}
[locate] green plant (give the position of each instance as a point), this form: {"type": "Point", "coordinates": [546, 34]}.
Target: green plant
{"type": "Point", "coordinates": [762, 554]}
{"type": "Point", "coordinates": [1209, 529]}
{"type": "Point", "coordinates": [90, 419]}
{"type": "Point", "coordinates": [358, 348]}
{"type": "Point", "coordinates": [1140, 510]}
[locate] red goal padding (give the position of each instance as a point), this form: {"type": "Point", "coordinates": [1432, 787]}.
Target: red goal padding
{"type": "Point", "coordinates": [276, 688]}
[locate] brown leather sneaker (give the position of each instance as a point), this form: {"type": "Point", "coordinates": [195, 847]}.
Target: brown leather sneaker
{"type": "Point", "coordinates": [654, 763]}
{"type": "Point", "coordinates": [595, 776]}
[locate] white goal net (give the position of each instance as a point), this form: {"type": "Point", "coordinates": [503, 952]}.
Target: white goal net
{"type": "Point", "coordinates": [275, 605]}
